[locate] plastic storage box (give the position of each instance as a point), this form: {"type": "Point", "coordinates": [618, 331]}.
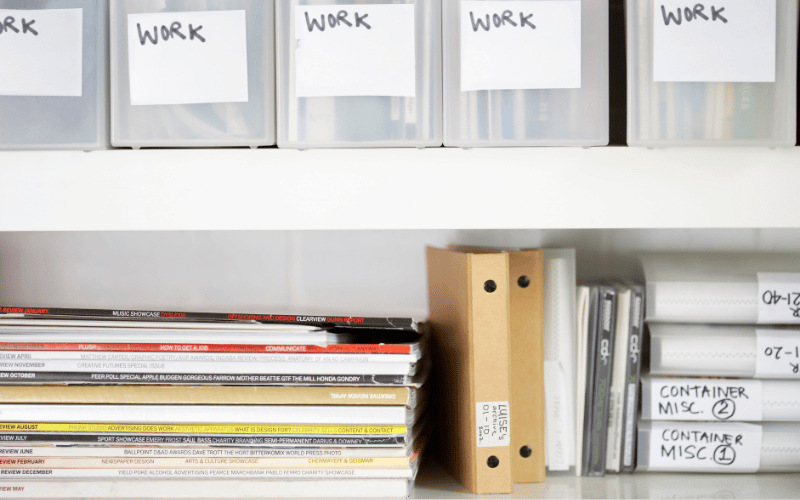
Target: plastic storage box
{"type": "Point", "coordinates": [203, 73]}
{"type": "Point", "coordinates": [350, 86]}
{"type": "Point", "coordinates": [663, 111]}
{"type": "Point", "coordinates": [62, 102]}
{"type": "Point", "coordinates": [711, 287]}
{"type": "Point", "coordinates": [564, 99]}
{"type": "Point", "coordinates": [718, 447]}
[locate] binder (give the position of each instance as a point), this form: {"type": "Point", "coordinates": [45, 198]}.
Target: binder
{"type": "Point", "coordinates": [560, 358]}
{"type": "Point", "coordinates": [526, 363]}
{"type": "Point", "coordinates": [526, 306]}
{"type": "Point", "coordinates": [469, 311]}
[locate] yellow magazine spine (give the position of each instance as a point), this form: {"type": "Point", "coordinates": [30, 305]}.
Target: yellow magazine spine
{"type": "Point", "coordinates": [200, 463]}
{"type": "Point", "coordinates": [230, 395]}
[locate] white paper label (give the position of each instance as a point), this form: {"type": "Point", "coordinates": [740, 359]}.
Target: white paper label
{"type": "Point", "coordinates": [187, 57]}
{"type": "Point", "coordinates": [705, 446]}
{"type": "Point", "coordinates": [493, 423]}
{"type": "Point", "coordinates": [714, 41]}
{"type": "Point", "coordinates": [355, 50]}
{"type": "Point", "coordinates": [700, 399]}
{"type": "Point", "coordinates": [41, 52]}
{"type": "Point", "coordinates": [778, 298]}
{"type": "Point", "coordinates": [520, 45]}
{"type": "Point", "coordinates": [778, 354]}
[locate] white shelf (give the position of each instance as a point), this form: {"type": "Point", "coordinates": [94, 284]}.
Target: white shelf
{"type": "Point", "coordinates": [542, 188]}
{"type": "Point", "coordinates": [434, 483]}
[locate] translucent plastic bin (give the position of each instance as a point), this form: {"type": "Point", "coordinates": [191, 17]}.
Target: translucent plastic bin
{"type": "Point", "coordinates": [58, 116]}
{"type": "Point", "coordinates": [675, 113]}
{"type": "Point", "coordinates": [778, 449]}
{"type": "Point", "coordinates": [212, 119]}
{"type": "Point", "coordinates": [539, 116]}
{"type": "Point", "coordinates": [338, 118]}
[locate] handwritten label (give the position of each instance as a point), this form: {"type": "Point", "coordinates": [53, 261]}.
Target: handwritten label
{"type": "Point", "coordinates": [355, 50]}
{"type": "Point", "coordinates": [714, 41]}
{"type": "Point", "coordinates": [705, 446]}
{"type": "Point", "coordinates": [699, 399]}
{"type": "Point", "coordinates": [41, 52]}
{"type": "Point", "coordinates": [778, 298]}
{"type": "Point", "coordinates": [493, 423]}
{"type": "Point", "coordinates": [520, 45]}
{"type": "Point", "coordinates": [778, 354]}
{"type": "Point", "coordinates": [187, 57]}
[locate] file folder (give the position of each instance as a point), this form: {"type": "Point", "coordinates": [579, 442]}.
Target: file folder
{"type": "Point", "coordinates": [469, 311]}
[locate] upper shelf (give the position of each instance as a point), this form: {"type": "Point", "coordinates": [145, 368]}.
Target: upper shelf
{"type": "Point", "coordinates": [524, 188]}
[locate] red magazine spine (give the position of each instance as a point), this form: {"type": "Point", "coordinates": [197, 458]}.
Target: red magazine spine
{"type": "Point", "coordinates": [235, 348]}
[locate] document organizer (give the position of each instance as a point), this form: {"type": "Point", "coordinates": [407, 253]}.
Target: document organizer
{"type": "Point", "coordinates": [527, 316]}
{"type": "Point", "coordinates": [210, 121]}
{"type": "Point", "coordinates": [469, 312]}
{"type": "Point", "coordinates": [529, 116]}
{"type": "Point", "coordinates": [699, 113]}
{"type": "Point", "coordinates": [333, 120]}
{"type": "Point", "coordinates": [57, 121]}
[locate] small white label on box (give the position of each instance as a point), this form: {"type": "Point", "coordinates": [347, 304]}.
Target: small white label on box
{"type": "Point", "coordinates": [355, 50]}
{"type": "Point", "coordinates": [508, 45]}
{"type": "Point", "coordinates": [704, 447]}
{"type": "Point", "coordinates": [698, 399]}
{"type": "Point", "coordinates": [187, 57]}
{"type": "Point", "coordinates": [41, 52]}
{"type": "Point", "coordinates": [493, 423]}
{"type": "Point", "coordinates": [778, 354]}
{"type": "Point", "coordinates": [714, 41]}
{"type": "Point", "coordinates": [778, 298]}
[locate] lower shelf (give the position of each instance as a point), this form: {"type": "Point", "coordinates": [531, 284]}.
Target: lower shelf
{"type": "Point", "coordinates": [434, 483]}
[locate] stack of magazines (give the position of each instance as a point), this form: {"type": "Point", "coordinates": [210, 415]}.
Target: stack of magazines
{"type": "Point", "coordinates": [105, 404]}
{"type": "Point", "coordinates": [726, 325]}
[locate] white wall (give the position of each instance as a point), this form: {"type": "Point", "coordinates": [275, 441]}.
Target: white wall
{"type": "Point", "coordinates": [349, 272]}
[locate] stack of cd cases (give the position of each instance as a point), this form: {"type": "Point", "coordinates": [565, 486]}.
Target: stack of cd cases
{"type": "Point", "coordinates": [121, 404]}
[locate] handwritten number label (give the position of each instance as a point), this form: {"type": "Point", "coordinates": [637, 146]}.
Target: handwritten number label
{"type": "Point", "coordinates": [704, 446]}
{"type": "Point", "coordinates": [512, 44]}
{"type": "Point", "coordinates": [492, 423]}
{"type": "Point", "coordinates": [188, 57]}
{"type": "Point", "coordinates": [41, 52]}
{"type": "Point", "coordinates": [778, 298]}
{"type": "Point", "coordinates": [714, 40]}
{"type": "Point", "coordinates": [701, 399]}
{"type": "Point", "coordinates": [354, 50]}
{"type": "Point", "coordinates": [778, 354]}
